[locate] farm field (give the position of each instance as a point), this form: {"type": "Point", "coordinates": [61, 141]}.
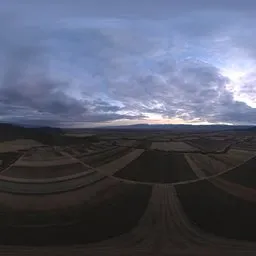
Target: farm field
{"type": "Point", "coordinates": [12, 146]}
{"type": "Point", "coordinates": [43, 172]}
{"type": "Point", "coordinates": [246, 145]}
{"type": "Point", "coordinates": [106, 156]}
{"type": "Point", "coordinates": [172, 146]}
{"type": "Point", "coordinates": [155, 166]}
{"type": "Point", "coordinates": [80, 135]}
{"type": "Point", "coordinates": [8, 158]}
{"type": "Point", "coordinates": [41, 154]}
{"type": "Point", "coordinates": [160, 139]}
{"type": "Point", "coordinates": [47, 186]}
{"type": "Point", "coordinates": [63, 160]}
{"type": "Point", "coordinates": [131, 193]}
{"type": "Point", "coordinates": [206, 164]}
{"type": "Point", "coordinates": [143, 144]}
{"type": "Point", "coordinates": [216, 211]}
{"type": "Point", "coordinates": [244, 174]}
{"type": "Point", "coordinates": [86, 150]}
{"type": "Point", "coordinates": [209, 145]}
{"type": "Point", "coordinates": [102, 217]}
{"type": "Point", "coordinates": [233, 157]}
{"type": "Point", "coordinates": [116, 165]}
{"type": "Point", "coordinates": [126, 143]}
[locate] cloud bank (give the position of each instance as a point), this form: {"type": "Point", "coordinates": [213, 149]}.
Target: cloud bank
{"type": "Point", "coordinates": [92, 63]}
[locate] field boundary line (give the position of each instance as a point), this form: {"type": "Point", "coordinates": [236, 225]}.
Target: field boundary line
{"type": "Point", "coordinates": [46, 181]}
{"type": "Point", "coordinates": [11, 165]}
{"type": "Point", "coordinates": [209, 239]}
{"type": "Point", "coordinates": [198, 172]}
{"type": "Point", "coordinates": [155, 183]}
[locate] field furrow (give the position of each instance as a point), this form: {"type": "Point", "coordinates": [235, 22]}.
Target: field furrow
{"type": "Point", "coordinates": [195, 166]}
{"type": "Point", "coordinates": [162, 227]}
{"type": "Point", "coordinates": [243, 174]}
{"type": "Point", "coordinates": [205, 165]}
{"type": "Point", "coordinates": [30, 172]}
{"type": "Point", "coordinates": [233, 157]}
{"type": "Point", "coordinates": [53, 162]}
{"type": "Point", "coordinates": [159, 167]}
{"type": "Point", "coordinates": [53, 201]}
{"type": "Point", "coordinates": [129, 192]}
{"type": "Point", "coordinates": [97, 151]}
{"type": "Point", "coordinates": [116, 165]}
{"type": "Point", "coordinates": [105, 157]}
{"type": "Point", "coordinates": [149, 234]}
{"type": "Point", "coordinates": [215, 211]}
{"type": "Point", "coordinates": [172, 146]}
{"type": "Point", "coordinates": [247, 194]}
{"type": "Point", "coordinates": [49, 188]}
{"type": "Point", "coordinates": [210, 145]}
{"type": "Point", "coordinates": [103, 216]}
{"type": "Point", "coordinates": [202, 240]}
{"type": "Point", "coordinates": [8, 159]}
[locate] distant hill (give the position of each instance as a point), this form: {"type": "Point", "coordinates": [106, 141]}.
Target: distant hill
{"type": "Point", "coordinates": [252, 129]}
{"type": "Point", "coordinates": [55, 136]}
{"type": "Point", "coordinates": [45, 135]}
{"type": "Point", "coordinates": [179, 127]}
{"type": "Point", "coordinates": [11, 132]}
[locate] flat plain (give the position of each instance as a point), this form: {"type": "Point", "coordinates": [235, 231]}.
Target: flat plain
{"type": "Point", "coordinates": [130, 193]}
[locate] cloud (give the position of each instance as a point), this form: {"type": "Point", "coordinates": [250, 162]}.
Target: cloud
{"type": "Point", "coordinates": [191, 90]}
{"type": "Point", "coordinates": [99, 62]}
{"type": "Point", "coordinates": [29, 93]}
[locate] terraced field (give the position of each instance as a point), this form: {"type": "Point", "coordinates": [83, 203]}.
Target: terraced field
{"type": "Point", "coordinates": [246, 145]}
{"type": "Point", "coordinates": [143, 144]}
{"type": "Point", "coordinates": [205, 165]}
{"type": "Point", "coordinates": [98, 218]}
{"type": "Point", "coordinates": [217, 212]}
{"type": "Point", "coordinates": [244, 174]}
{"type": "Point", "coordinates": [130, 197]}
{"type": "Point", "coordinates": [15, 145]}
{"type": "Point", "coordinates": [233, 157]}
{"type": "Point", "coordinates": [94, 148]}
{"type": "Point", "coordinates": [210, 145]}
{"type": "Point", "coordinates": [8, 158]}
{"type": "Point", "coordinates": [41, 154]}
{"type": "Point", "coordinates": [44, 172]}
{"type": "Point", "coordinates": [160, 167]}
{"type": "Point", "coordinates": [126, 143]}
{"type": "Point", "coordinates": [105, 156]}
{"type": "Point", "coordinates": [173, 146]}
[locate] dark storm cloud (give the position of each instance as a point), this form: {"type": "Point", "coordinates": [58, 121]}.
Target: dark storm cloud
{"type": "Point", "coordinates": [35, 91]}
{"type": "Point", "coordinates": [41, 96]}
{"type": "Point", "coordinates": [58, 122]}
{"type": "Point", "coordinates": [122, 8]}
{"type": "Point", "coordinates": [103, 106]}
{"type": "Point", "coordinates": [100, 61]}
{"type": "Point", "coordinates": [24, 95]}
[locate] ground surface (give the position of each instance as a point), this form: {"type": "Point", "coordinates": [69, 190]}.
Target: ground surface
{"type": "Point", "coordinates": [130, 194]}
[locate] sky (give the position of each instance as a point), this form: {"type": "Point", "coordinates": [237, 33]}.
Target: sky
{"type": "Point", "coordinates": [74, 63]}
